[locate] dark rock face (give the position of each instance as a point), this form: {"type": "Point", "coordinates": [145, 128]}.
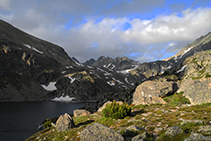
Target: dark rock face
{"type": "Point", "coordinates": [26, 63]}
{"type": "Point", "coordinates": [64, 122]}
{"type": "Point", "coordinates": [119, 63]}
{"type": "Point", "coordinates": [82, 86]}
{"type": "Point", "coordinates": [99, 132]}
{"type": "Point", "coordinates": [152, 91]}
{"type": "Point", "coordinates": [173, 131]}
{"type": "Point", "coordinates": [89, 62]}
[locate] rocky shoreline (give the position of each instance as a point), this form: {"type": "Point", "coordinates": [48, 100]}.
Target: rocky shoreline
{"type": "Point", "coordinates": [146, 122]}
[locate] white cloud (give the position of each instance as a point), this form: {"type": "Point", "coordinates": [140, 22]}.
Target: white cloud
{"type": "Point", "coordinates": [5, 4]}
{"type": "Point", "coordinates": [150, 38]}
{"type": "Point", "coordinates": [167, 28]}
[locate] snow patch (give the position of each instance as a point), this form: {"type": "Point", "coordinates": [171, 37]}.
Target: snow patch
{"type": "Point", "coordinates": [72, 79]}
{"type": "Point", "coordinates": [182, 69]}
{"type": "Point", "coordinates": [51, 86]}
{"type": "Point", "coordinates": [113, 66]}
{"type": "Point", "coordinates": [63, 98]}
{"type": "Point", "coordinates": [187, 50]}
{"type": "Point", "coordinates": [107, 65]}
{"type": "Point", "coordinates": [111, 83]}
{"type": "Point", "coordinates": [30, 47]}
{"type": "Point", "coordinates": [105, 72]}
{"type": "Point", "coordinates": [175, 59]}
{"type": "Point", "coordinates": [126, 80]}
{"type": "Point", "coordinates": [51, 52]}
{"type": "Point", "coordinates": [128, 70]}
{"type": "Point", "coordinates": [162, 69]}
{"type": "Point", "coordinates": [79, 64]}
{"type": "Point", "coordinates": [117, 81]}
{"type": "Point", "coordinates": [63, 72]}
{"type": "Point", "coordinates": [69, 67]}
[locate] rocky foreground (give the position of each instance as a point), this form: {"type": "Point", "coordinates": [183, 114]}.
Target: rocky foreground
{"type": "Point", "coordinates": [172, 121]}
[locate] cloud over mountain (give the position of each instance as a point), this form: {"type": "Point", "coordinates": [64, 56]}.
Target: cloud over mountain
{"type": "Point", "coordinates": [111, 28]}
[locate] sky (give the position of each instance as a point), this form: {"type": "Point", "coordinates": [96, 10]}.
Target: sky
{"type": "Point", "coordinates": [142, 30]}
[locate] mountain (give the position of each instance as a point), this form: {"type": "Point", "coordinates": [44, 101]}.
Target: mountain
{"type": "Point", "coordinates": [32, 69]}
{"type": "Point", "coordinates": [174, 63]}
{"type": "Point", "coordinates": [117, 64]}
{"type": "Point", "coordinates": [26, 63]}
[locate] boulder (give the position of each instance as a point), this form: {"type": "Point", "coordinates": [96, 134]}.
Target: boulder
{"type": "Point", "coordinates": [80, 112]}
{"type": "Point", "coordinates": [99, 132]}
{"type": "Point", "coordinates": [108, 102]}
{"type": "Point", "coordinates": [173, 131]}
{"type": "Point", "coordinates": [197, 137]}
{"type": "Point", "coordinates": [64, 122]}
{"type": "Point", "coordinates": [133, 128]}
{"type": "Point", "coordinates": [150, 92]}
{"type": "Point", "coordinates": [141, 137]}
{"type": "Point", "coordinates": [197, 91]}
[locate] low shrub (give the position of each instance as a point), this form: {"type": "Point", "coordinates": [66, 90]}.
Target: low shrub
{"type": "Point", "coordinates": [116, 111]}
{"type": "Point", "coordinates": [47, 123]}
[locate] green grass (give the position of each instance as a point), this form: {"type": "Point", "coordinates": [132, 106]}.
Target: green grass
{"type": "Point", "coordinates": [155, 113]}
{"type": "Point", "coordinates": [176, 99]}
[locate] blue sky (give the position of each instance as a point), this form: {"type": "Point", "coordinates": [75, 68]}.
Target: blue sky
{"type": "Point", "coordinates": [139, 29]}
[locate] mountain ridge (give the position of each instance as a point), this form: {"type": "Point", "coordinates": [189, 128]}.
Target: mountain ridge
{"type": "Point", "coordinates": [28, 64]}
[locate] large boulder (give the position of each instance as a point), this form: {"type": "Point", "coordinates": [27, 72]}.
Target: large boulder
{"type": "Point", "coordinates": [64, 122]}
{"type": "Point", "coordinates": [99, 132]}
{"type": "Point", "coordinates": [150, 92]}
{"type": "Point", "coordinates": [80, 112]}
{"type": "Point", "coordinates": [197, 91]}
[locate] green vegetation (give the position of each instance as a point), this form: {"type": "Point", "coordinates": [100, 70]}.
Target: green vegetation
{"type": "Point", "coordinates": [166, 116]}
{"type": "Point", "coordinates": [116, 110]}
{"type": "Point", "coordinates": [47, 123]}
{"type": "Point", "coordinates": [176, 99]}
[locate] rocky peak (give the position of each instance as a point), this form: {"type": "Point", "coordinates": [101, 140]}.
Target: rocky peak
{"type": "Point", "coordinates": [117, 64]}
{"type": "Point", "coordinates": [89, 62]}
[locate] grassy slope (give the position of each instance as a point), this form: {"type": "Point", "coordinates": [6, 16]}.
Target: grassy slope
{"type": "Point", "coordinates": [150, 117]}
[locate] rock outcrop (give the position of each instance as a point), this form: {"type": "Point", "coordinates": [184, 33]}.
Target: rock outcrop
{"type": "Point", "coordinates": [197, 91]}
{"type": "Point", "coordinates": [151, 92]}
{"type": "Point", "coordinates": [64, 122]}
{"type": "Point", "coordinates": [99, 132]}
{"type": "Point", "coordinates": [80, 112]}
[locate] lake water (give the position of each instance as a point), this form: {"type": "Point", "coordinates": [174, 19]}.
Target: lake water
{"type": "Point", "coordinates": [19, 120]}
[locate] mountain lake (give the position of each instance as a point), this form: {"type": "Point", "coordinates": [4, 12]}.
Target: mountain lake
{"type": "Point", "coordinates": [20, 120]}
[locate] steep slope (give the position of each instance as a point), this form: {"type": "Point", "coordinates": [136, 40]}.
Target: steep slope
{"type": "Point", "coordinates": [174, 63]}
{"type": "Point", "coordinates": [26, 62]}
{"type": "Point", "coordinates": [32, 69]}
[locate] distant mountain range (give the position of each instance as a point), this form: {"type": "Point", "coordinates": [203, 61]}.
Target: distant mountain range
{"type": "Point", "coordinates": [32, 69]}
